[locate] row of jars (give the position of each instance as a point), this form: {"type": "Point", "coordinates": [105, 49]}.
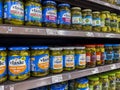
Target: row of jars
{"type": "Point", "coordinates": [115, 2]}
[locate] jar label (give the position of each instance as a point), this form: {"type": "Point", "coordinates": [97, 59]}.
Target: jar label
{"type": "Point", "coordinates": [116, 56]}
{"type": "Point", "coordinates": [56, 62]}
{"type": "Point", "coordinates": [93, 57]}
{"type": "Point", "coordinates": [14, 10]}
{"type": "Point", "coordinates": [3, 68]}
{"type": "Point", "coordinates": [112, 83]}
{"type": "Point", "coordinates": [88, 57]}
{"type": "Point", "coordinates": [107, 22]}
{"type": "Point", "coordinates": [1, 10]}
{"type": "Point", "coordinates": [105, 85]}
{"type": "Point", "coordinates": [98, 55]}
{"type": "Point", "coordinates": [40, 63]}
{"type": "Point", "coordinates": [109, 56]}
{"type": "Point", "coordinates": [64, 17]}
{"type": "Point", "coordinates": [68, 60]}
{"type": "Point", "coordinates": [76, 19]}
{"type": "Point", "coordinates": [113, 23]}
{"type": "Point", "coordinates": [96, 22]}
{"type": "Point", "coordinates": [80, 59]}
{"type": "Point", "coordinates": [102, 22]}
{"type": "Point", "coordinates": [87, 20]}
{"type": "Point", "coordinates": [33, 14]}
{"type": "Point", "coordinates": [50, 15]}
{"type": "Point", "coordinates": [19, 65]}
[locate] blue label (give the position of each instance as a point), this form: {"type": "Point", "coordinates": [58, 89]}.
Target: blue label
{"type": "Point", "coordinates": [56, 62]}
{"type": "Point", "coordinates": [64, 17]}
{"type": "Point", "coordinates": [96, 22]}
{"type": "Point", "coordinates": [50, 15]}
{"type": "Point", "coordinates": [116, 56]}
{"type": "Point", "coordinates": [14, 10]}
{"type": "Point", "coordinates": [80, 59]}
{"type": "Point", "coordinates": [3, 66]}
{"type": "Point", "coordinates": [18, 65]}
{"type": "Point", "coordinates": [87, 20]}
{"type": "Point", "coordinates": [76, 19]}
{"type": "Point", "coordinates": [33, 13]}
{"type": "Point", "coordinates": [1, 10]}
{"type": "Point", "coordinates": [109, 56]}
{"type": "Point", "coordinates": [40, 63]}
{"type": "Point", "coordinates": [58, 87]}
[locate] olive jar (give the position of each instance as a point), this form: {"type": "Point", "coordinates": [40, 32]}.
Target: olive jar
{"type": "Point", "coordinates": [113, 22]}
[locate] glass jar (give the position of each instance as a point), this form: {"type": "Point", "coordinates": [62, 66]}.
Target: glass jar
{"type": "Point", "coordinates": [87, 19]}
{"type": "Point", "coordinates": [91, 56]}
{"type": "Point", "coordinates": [14, 12]}
{"type": "Point", "coordinates": [3, 64]}
{"type": "Point", "coordinates": [96, 21]}
{"type": "Point", "coordinates": [105, 21]}
{"type": "Point", "coordinates": [118, 19]}
{"type": "Point", "coordinates": [68, 58]}
{"type": "Point", "coordinates": [113, 22]}
{"type": "Point", "coordinates": [76, 18]}
{"type": "Point", "coordinates": [80, 57]}
{"type": "Point", "coordinates": [64, 16]}
{"type": "Point", "coordinates": [56, 60]}
{"type": "Point", "coordinates": [18, 63]}
{"type": "Point", "coordinates": [1, 12]}
{"type": "Point", "coordinates": [117, 73]}
{"type": "Point", "coordinates": [33, 13]}
{"type": "Point", "coordinates": [109, 54]}
{"type": "Point", "coordinates": [100, 54]}
{"type": "Point", "coordinates": [116, 52]}
{"type": "Point", "coordinates": [49, 14]}
{"type": "Point", "coordinates": [39, 61]}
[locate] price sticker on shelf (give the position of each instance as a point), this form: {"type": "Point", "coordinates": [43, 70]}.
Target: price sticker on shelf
{"type": "Point", "coordinates": [90, 34]}
{"type": "Point", "coordinates": [51, 31]}
{"type": "Point", "coordinates": [57, 78]}
{"type": "Point", "coordinates": [113, 66]}
{"type": "Point", "coordinates": [1, 87]}
{"type": "Point", "coordinates": [95, 70]}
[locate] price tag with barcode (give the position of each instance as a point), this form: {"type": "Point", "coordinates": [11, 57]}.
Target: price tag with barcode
{"type": "Point", "coordinates": [95, 70]}
{"type": "Point", "coordinates": [57, 78]}
{"type": "Point", "coordinates": [113, 66]}
{"type": "Point", "coordinates": [1, 87]}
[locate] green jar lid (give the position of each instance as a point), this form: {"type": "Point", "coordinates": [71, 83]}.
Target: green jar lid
{"type": "Point", "coordinates": [117, 72]}
{"type": "Point", "coordinates": [76, 8]}
{"type": "Point", "coordinates": [96, 12]}
{"type": "Point", "coordinates": [111, 74]}
{"type": "Point", "coordinates": [93, 78]}
{"type": "Point", "coordinates": [106, 12]}
{"type": "Point", "coordinates": [89, 10]}
{"type": "Point", "coordinates": [103, 76]}
{"type": "Point", "coordinates": [114, 14]}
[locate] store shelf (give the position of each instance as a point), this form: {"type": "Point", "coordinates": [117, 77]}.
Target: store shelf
{"type": "Point", "coordinates": [38, 82]}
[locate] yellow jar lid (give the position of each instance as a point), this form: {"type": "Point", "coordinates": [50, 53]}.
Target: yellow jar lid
{"type": "Point", "coordinates": [87, 10]}
{"type": "Point", "coordinates": [76, 8]}
{"type": "Point", "coordinates": [96, 12]}
{"type": "Point", "coordinates": [114, 14]}
{"type": "Point", "coordinates": [105, 12]}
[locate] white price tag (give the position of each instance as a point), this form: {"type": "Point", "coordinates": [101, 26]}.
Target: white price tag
{"type": "Point", "coordinates": [90, 34]}
{"type": "Point", "coordinates": [51, 31]}
{"type": "Point", "coordinates": [57, 78]}
{"type": "Point", "coordinates": [95, 70]}
{"type": "Point", "coordinates": [113, 66]}
{"type": "Point", "coordinates": [1, 87]}
{"type": "Point", "coordinates": [107, 4]}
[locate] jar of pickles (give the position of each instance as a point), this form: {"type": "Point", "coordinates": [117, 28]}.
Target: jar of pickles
{"type": "Point", "coordinates": [76, 18]}
{"type": "Point", "coordinates": [1, 12]}
{"type": "Point", "coordinates": [39, 61]}
{"type": "Point", "coordinates": [91, 56]}
{"type": "Point", "coordinates": [49, 14]}
{"type": "Point", "coordinates": [114, 22]}
{"type": "Point", "coordinates": [18, 63]}
{"type": "Point", "coordinates": [68, 58]}
{"type": "Point", "coordinates": [80, 57]}
{"type": "Point", "coordinates": [56, 60]}
{"type": "Point", "coordinates": [3, 64]}
{"type": "Point", "coordinates": [87, 19]}
{"type": "Point", "coordinates": [64, 16]}
{"type": "Point", "coordinates": [117, 72]}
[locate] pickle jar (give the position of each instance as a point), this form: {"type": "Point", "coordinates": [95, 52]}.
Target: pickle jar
{"type": "Point", "coordinates": [1, 12]}
{"type": "Point", "coordinates": [64, 16]}
{"type": "Point", "coordinates": [39, 60]}
{"type": "Point", "coordinates": [118, 19]}
{"type": "Point", "coordinates": [76, 18]}
{"type": "Point", "coordinates": [49, 14]}
{"type": "Point", "coordinates": [94, 83]}
{"type": "Point", "coordinates": [116, 52]}
{"type": "Point", "coordinates": [14, 12]}
{"type": "Point", "coordinates": [68, 58]}
{"type": "Point", "coordinates": [33, 13]}
{"type": "Point", "coordinates": [96, 21]}
{"type": "Point", "coordinates": [18, 63]}
{"type": "Point", "coordinates": [117, 79]}
{"type": "Point", "coordinates": [81, 84]}
{"type": "Point", "coordinates": [100, 54]}
{"type": "Point", "coordinates": [3, 64]}
{"type": "Point", "coordinates": [56, 60]}
{"type": "Point", "coordinates": [109, 54]}
{"type": "Point", "coordinates": [105, 21]}
{"type": "Point", "coordinates": [114, 22]}
{"type": "Point", "coordinates": [91, 56]}
{"type": "Point", "coordinates": [80, 57]}
{"type": "Point", "coordinates": [87, 19]}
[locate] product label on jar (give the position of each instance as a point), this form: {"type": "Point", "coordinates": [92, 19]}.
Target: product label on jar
{"type": "Point", "coordinates": [56, 62]}
{"type": "Point", "coordinates": [116, 56]}
{"type": "Point", "coordinates": [87, 20]}
{"type": "Point", "coordinates": [1, 10]}
{"type": "Point", "coordinates": [113, 23]}
{"type": "Point", "coordinates": [76, 19]}
{"type": "Point", "coordinates": [109, 56]}
{"type": "Point", "coordinates": [50, 15]}
{"type": "Point", "coordinates": [18, 65]}
{"type": "Point", "coordinates": [102, 22]}
{"type": "Point", "coordinates": [88, 57]}
{"type": "Point", "coordinates": [33, 14]}
{"type": "Point", "coordinates": [112, 83]}
{"type": "Point", "coordinates": [105, 85]}
{"type": "Point", "coordinates": [40, 63]}
{"type": "Point", "coordinates": [107, 22]}
{"type": "Point", "coordinates": [14, 10]}
{"type": "Point", "coordinates": [98, 56]}
{"type": "Point", "coordinates": [68, 60]}
{"type": "Point", "coordinates": [96, 22]}
{"type": "Point", "coordinates": [80, 59]}
{"type": "Point", "coordinates": [3, 66]}
{"type": "Point", "coordinates": [64, 17]}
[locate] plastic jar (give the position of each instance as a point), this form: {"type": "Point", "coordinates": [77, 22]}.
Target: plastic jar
{"type": "Point", "coordinates": [39, 61]}
{"type": "Point", "coordinates": [64, 16]}
{"type": "Point", "coordinates": [3, 64]}
{"type": "Point", "coordinates": [114, 22]}
{"type": "Point", "coordinates": [18, 63]}
{"type": "Point", "coordinates": [14, 12]}
{"type": "Point", "coordinates": [91, 56]}
{"type": "Point", "coordinates": [49, 14]}
{"type": "Point", "coordinates": [105, 21]}
{"type": "Point", "coordinates": [33, 13]}
{"type": "Point", "coordinates": [117, 79]}
{"type": "Point", "coordinates": [87, 19]}
{"type": "Point", "coordinates": [76, 18]}
{"type": "Point", "coordinates": [109, 54]}
{"type": "Point", "coordinates": [68, 58]}
{"type": "Point", "coordinates": [80, 57]}
{"type": "Point", "coordinates": [96, 21]}
{"type": "Point", "coordinates": [1, 12]}
{"type": "Point", "coordinates": [56, 60]}
{"type": "Point", "coordinates": [100, 54]}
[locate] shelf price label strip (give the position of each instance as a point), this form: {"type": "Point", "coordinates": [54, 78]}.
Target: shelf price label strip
{"type": "Point", "coordinates": [1, 87]}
